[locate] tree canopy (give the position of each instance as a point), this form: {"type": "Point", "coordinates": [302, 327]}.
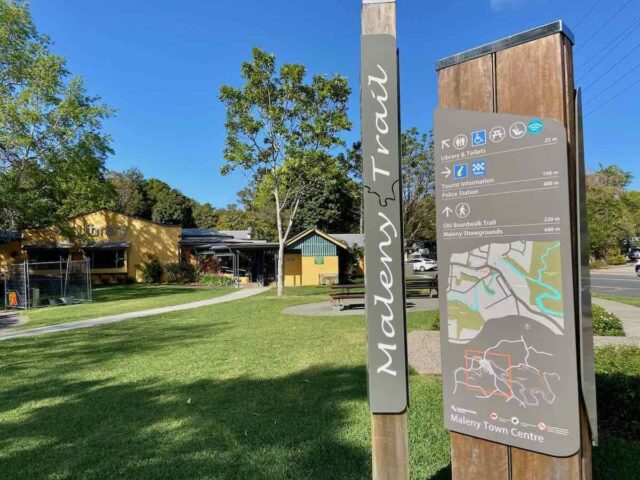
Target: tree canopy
{"type": "Point", "coordinates": [52, 148]}
{"type": "Point", "coordinates": [280, 127]}
{"type": "Point", "coordinates": [612, 213]}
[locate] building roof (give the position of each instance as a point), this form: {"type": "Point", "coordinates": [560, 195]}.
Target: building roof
{"type": "Point", "coordinates": [238, 234]}
{"type": "Point", "coordinates": [106, 245]}
{"type": "Point", "coordinates": [48, 246]}
{"type": "Point", "coordinates": [203, 236]}
{"type": "Point", "coordinates": [320, 233]}
{"type": "Point", "coordinates": [9, 236]}
{"type": "Point", "coordinates": [350, 239]}
{"type": "Point", "coordinates": [203, 232]}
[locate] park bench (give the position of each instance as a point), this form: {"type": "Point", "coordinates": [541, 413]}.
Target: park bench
{"type": "Point", "coordinates": [345, 292]}
{"type": "Point", "coordinates": [414, 286]}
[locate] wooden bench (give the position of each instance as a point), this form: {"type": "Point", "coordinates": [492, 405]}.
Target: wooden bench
{"type": "Point", "coordinates": [345, 292]}
{"type": "Point", "coordinates": [430, 284]}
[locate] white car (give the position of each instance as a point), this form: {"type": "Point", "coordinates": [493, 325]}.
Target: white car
{"type": "Point", "coordinates": [423, 264]}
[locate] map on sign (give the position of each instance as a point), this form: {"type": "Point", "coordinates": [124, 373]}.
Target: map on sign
{"type": "Point", "coordinates": [508, 326]}
{"type": "Point", "coordinates": [496, 279]}
{"type": "Point", "coordinates": [507, 370]}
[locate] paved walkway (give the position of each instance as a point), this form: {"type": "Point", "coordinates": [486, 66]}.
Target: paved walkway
{"type": "Point", "coordinates": [33, 332]}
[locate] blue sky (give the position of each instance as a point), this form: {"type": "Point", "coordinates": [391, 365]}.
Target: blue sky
{"type": "Point", "coordinates": [161, 63]}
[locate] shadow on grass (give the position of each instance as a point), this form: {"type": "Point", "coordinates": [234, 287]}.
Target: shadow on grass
{"type": "Point", "coordinates": [295, 426]}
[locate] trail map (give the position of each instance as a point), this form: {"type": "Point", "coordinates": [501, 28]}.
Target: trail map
{"type": "Point", "coordinates": [498, 279]}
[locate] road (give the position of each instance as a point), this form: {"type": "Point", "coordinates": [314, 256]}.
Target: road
{"type": "Point", "coordinates": [618, 283]}
{"type": "Point", "coordinates": [620, 280]}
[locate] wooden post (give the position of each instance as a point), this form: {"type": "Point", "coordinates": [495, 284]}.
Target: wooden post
{"type": "Point", "coordinates": [389, 434]}
{"type": "Point", "coordinates": [530, 75]}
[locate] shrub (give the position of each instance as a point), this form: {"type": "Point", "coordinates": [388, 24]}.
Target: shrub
{"type": "Point", "coordinates": [151, 268]}
{"type": "Point", "coordinates": [598, 264]}
{"type": "Point", "coordinates": [614, 257]}
{"type": "Point", "coordinates": [605, 323]}
{"type": "Point", "coordinates": [210, 265]}
{"type": "Point", "coordinates": [618, 387]}
{"type": "Point", "coordinates": [181, 272]}
{"type": "Point", "coordinates": [215, 280]}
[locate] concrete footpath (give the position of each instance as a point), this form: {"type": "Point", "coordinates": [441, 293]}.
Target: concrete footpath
{"type": "Point", "coordinates": [61, 327]}
{"type": "Point", "coordinates": [424, 346]}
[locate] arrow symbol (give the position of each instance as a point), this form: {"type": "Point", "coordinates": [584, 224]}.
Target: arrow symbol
{"type": "Point", "coordinates": [447, 172]}
{"type": "Point", "coordinates": [445, 143]}
{"type": "Point", "coordinates": [447, 211]}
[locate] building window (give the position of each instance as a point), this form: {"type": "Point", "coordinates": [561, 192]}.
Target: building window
{"type": "Point", "coordinates": [106, 258]}
{"type": "Point", "coordinates": [48, 255]}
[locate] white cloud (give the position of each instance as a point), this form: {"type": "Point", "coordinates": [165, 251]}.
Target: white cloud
{"type": "Point", "coordinates": [499, 5]}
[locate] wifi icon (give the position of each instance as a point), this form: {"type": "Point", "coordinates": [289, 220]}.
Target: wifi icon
{"type": "Point", "coordinates": [535, 127]}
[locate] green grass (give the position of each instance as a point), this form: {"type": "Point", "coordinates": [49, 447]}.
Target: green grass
{"type": "Point", "coordinates": [114, 299]}
{"type": "Point", "coordinates": [629, 300]}
{"type": "Point", "coordinates": [231, 391]}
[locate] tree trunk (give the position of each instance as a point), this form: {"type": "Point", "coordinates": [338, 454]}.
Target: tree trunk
{"type": "Point", "coordinates": [280, 278]}
{"type": "Point", "coordinates": [281, 241]}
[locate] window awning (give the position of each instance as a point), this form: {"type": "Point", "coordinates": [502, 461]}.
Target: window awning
{"type": "Point", "coordinates": [47, 246]}
{"type": "Point", "coordinates": [106, 245]}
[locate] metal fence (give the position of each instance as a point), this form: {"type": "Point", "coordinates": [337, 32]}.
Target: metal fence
{"type": "Point", "coordinates": [16, 287]}
{"type": "Point", "coordinates": [40, 284]}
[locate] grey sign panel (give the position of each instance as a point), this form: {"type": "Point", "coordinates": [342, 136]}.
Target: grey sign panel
{"type": "Point", "coordinates": [508, 330]}
{"type": "Point", "coordinates": [386, 331]}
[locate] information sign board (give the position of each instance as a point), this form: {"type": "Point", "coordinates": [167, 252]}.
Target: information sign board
{"type": "Point", "coordinates": [508, 329]}
{"type": "Point", "coordinates": [384, 276]}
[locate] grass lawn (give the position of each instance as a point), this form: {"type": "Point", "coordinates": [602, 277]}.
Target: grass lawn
{"type": "Point", "coordinates": [231, 391]}
{"type": "Point", "coordinates": [114, 299]}
{"type": "Point", "coordinates": [629, 300]}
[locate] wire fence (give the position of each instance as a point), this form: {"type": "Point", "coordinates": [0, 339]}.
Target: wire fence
{"type": "Point", "coordinates": [39, 284]}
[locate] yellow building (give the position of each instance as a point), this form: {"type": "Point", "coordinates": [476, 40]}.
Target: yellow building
{"type": "Point", "coordinates": [10, 249]}
{"type": "Point", "coordinates": [115, 244]}
{"type": "Point", "coordinates": [314, 258]}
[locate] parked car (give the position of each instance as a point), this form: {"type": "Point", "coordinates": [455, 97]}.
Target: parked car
{"type": "Point", "coordinates": [634, 253]}
{"type": "Point", "coordinates": [423, 264]}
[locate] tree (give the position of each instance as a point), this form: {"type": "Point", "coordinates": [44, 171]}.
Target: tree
{"type": "Point", "coordinates": [330, 201]}
{"type": "Point", "coordinates": [167, 205]}
{"type": "Point", "coordinates": [418, 187]}
{"type": "Point", "coordinates": [278, 124]}
{"type": "Point", "coordinates": [418, 195]}
{"type": "Point", "coordinates": [233, 218]}
{"type": "Point", "coordinates": [172, 208]}
{"type": "Point", "coordinates": [129, 189]}
{"type": "Point", "coordinates": [351, 162]}
{"type": "Point", "coordinates": [205, 216]}
{"type": "Point", "coordinates": [52, 150]}
{"type": "Point", "coordinates": [611, 223]}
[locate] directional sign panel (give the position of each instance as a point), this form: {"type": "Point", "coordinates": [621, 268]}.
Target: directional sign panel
{"type": "Point", "coordinates": [509, 362]}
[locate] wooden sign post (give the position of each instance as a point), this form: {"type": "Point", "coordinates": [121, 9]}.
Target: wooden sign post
{"type": "Point", "coordinates": [529, 74]}
{"type": "Point", "coordinates": [385, 299]}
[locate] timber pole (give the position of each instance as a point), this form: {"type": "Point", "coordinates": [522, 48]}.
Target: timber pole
{"type": "Point", "coordinates": [388, 396]}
